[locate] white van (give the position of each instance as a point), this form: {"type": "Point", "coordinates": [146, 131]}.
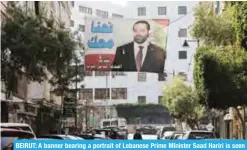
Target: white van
{"type": "Point", "coordinates": [19, 126]}
{"type": "Point", "coordinates": [114, 122]}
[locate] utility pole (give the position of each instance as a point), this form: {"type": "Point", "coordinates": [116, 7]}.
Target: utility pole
{"type": "Point", "coordinates": [86, 114]}
{"type": "Point", "coordinates": [76, 90]}
{"type": "Point", "coordinates": [106, 100]}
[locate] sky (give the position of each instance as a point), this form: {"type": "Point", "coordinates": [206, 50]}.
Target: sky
{"type": "Point", "coordinates": [120, 2]}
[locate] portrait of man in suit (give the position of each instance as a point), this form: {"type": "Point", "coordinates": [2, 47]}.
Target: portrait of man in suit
{"type": "Point", "coordinates": [140, 55]}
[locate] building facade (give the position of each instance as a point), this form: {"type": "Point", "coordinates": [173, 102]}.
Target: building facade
{"type": "Point", "coordinates": [112, 88]}
{"type": "Point", "coordinates": [25, 102]}
{"type": "Point", "coordinates": [90, 113]}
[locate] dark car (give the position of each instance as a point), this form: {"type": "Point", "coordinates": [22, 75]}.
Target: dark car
{"type": "Point", "coordinates": [122, 133]}
{"type": "Point", "coordinates": [146, 130]}
{"type": "Point", "coordinates": [9, 135]}
{"type": "Point", "coordinates": [60, 137]}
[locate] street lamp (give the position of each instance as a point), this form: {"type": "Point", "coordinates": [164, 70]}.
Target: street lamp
{"type": "Point", "coordinates": [187, 45]}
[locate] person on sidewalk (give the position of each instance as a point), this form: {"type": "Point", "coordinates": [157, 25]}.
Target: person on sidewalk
{"type": "Point", "coordinates": [137, 135]}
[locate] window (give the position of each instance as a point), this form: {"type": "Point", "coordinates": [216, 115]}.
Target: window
{"type": "Point", "coordinates": [117, 16]}
{"type": "Point", "coordinates": [71, 23]}
{"type": "Point", "coordinates": [81, 28]}
{"type": "Point", "coordinates": [182, 33]}
{"type": "Point", "coordinates": [183, 75]}
{"type": "Point", "coordinates": [119, 93]}
{"type": "Point", "coordinates": [142, 99]}
{"type": "Point", "coordinates": [182, 10]}
{"type": "Point", "coordinates": [142, 76]}
{"type": "Point", "coordinates": [118, 73]}
{"type": "Point", "coordinates": [160, 99]}
{"type": "Point", "coordinates": [16, 84]}
{"type": "Point", "coordinates": [161, 76]}
{"type": "Point", "coordinates": [86, 94]}
{"type": "Point", "coordinates": [101, 73]}
{"type": "Point", "coordinates": [3, 88]}
{"type": "Point", "coordinates": [89, 73]}
{"type": "Point", "coordinates": [36, 6]}
{"type": "Point", "coordinates": [101, 13]}
{"type": "Point", "coordinates": [102, 93]}
{"type": "Point", "coordinates": [182, 54]}
{"type": "Point", "coordinates": [161, 10]}
{"type": "Point", "coordinates": [72, 3]}
{"type": "Point", "coordinates": [141, 11]}
{"type": "Point", "coordinates": [85, 10]}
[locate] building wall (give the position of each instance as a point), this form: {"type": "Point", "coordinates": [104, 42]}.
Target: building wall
{"type": "Point", "coordinates": [151, 88]}
{"type": "Point", "coordinates": [3, 9]}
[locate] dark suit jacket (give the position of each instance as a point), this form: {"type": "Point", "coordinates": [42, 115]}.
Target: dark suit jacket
{"type": "Point", "coordinates": [154, 60]}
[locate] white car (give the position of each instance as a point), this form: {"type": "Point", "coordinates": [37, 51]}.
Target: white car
{"type": "Point", "coordinates": [199, 134]}
{"type": "Point", "coordinates": [161, 133]}
{"type": "Point", "coordinates": [19, 126]}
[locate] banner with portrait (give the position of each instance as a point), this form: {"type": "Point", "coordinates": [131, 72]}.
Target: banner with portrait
{"type": "Point", "coordinates": [129, 45]}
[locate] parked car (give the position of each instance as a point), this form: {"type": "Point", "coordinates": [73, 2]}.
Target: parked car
{"type": "Point", "coordinates": [123, 133]}
{"type": "Point", "coordinates": [100, 133]}
{"type": "Point", "coordinates": [89, 137]}
{"type": "Point", "coordinates": [9, 135]}
{"type": "Point", "coordinates": [18, 126]}
{"type": "Point", "coordinates": [60, 137]}
{"type": "Point", "coordinates": [199, 134]}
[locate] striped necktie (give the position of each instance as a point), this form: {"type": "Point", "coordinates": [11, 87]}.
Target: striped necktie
{"type": "Point", "coordinates": [139, 59]}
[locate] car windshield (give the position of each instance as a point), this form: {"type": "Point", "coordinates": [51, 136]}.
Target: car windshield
{"type": "Point", "coordinates": [7, 138]}
{"type": "Point", "coordinates": [106, 123]}
{"type": "Point", "coordinates": [168, 129]}
{"type": "Point", "coordinates": [148, 131]}
{"type": "Point", "coordinates": [100, 131]}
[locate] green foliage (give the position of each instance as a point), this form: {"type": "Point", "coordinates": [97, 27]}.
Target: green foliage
{"type": "Point", "coordinates": [220, 76]}
{"type": "Point", "coordinates": [183, 102]}
{"type": "Point", "coordinates": [134, 111]}
{"type": "Point", "coordinates": [213, 29]}
{"type": "Point", "coordinates": [33, 44]}
{"type": "Point", "coordinates": [240, 21]}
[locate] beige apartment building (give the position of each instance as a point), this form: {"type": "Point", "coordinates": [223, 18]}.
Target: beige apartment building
{"type": "Point", "coordinates": [26, 101]}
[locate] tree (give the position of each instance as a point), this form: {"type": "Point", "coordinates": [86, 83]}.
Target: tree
{"type": "Point", "coordinates": [211, 28]}
{"type": "Point", "coordinates": [32, 46]}
{"type": "Point", "coordinates": [220, 67]}
{"type": "Point", "coordinates": [240, 21]}
{"type": "Point", "coordinates": [183, 103]}
{"type": "Point", "coordinates": [220, 76]}
{"type": "Point", "coordinates": [144, 112]}
{"type": "Point", "coordinates": [65, 72]}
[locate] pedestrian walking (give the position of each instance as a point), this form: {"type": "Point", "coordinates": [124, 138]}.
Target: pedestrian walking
{"type": "Point", "coordinates": [137, 135]}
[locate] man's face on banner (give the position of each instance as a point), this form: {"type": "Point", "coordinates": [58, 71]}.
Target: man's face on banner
{"type": "Point", "coordinates": [141, 33]}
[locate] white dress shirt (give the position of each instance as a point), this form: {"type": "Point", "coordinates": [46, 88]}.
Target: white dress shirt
{"type": "Point", "coordinates": [144, 50]}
